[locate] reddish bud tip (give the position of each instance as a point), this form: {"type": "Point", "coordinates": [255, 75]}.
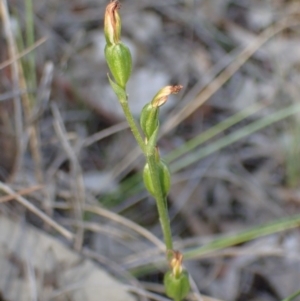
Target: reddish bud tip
{"type": "Point", "coordinates": [112, 22]}
{"type": "Point", "coordinates": [162, 96]}
{"type": "Point", "coordinates": [176, 263]}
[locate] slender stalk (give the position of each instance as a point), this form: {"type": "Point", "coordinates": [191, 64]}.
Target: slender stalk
{"type": "Point", "coordinates": [132, 125]}
{"type": "Point", "coordinates": [150, 158]}
{"type": "Point", "coordinates": [160, 202]}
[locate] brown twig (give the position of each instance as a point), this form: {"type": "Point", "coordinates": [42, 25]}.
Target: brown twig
{"type": "Point", "coordinates": [66, 233]}
{"type": "Point", "coordinates": [121, 220]}
{"type": "Point", "coordinates": [21, 192]}
{"type": "Point", "coordinates": [76, 173]}
{"type": "Point", "coordinates": [18, 119]}
{"type": "Point", "coordinates": [228, 72]}
{"type": "Point", "coordinates": [23, 53]}
{"type": "Point", "coordinates": [42, 100]}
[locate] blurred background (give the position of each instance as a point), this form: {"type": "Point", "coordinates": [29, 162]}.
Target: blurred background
{"type": "Point", "coordinates": [231, 138]}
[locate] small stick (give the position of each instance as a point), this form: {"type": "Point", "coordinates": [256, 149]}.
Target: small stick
{"type": "Point", "coordinates": [66, 233]}
{"type": "Point", "coordinates": [23, 53]}
{"type": "Point", "coordinates": [20, 193]}
{"type": "Point", "coordinates": [18, 117]}
{"type": "Point", "coordinates": [78, 189]}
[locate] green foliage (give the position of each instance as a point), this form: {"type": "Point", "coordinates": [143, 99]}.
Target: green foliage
{"type": "Point", "coordinates": [291, 151]}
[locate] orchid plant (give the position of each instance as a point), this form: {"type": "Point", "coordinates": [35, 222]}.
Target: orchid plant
{"type": "Point", "coordinates": [156, 174]}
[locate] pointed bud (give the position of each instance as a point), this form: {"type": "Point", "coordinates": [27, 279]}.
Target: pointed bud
{"type": "Point", "coordinates": [119, 61]}
{"type": "Point", "coordinates": [117, 55]}
{"type": "Point", "coordinates": [176, 263]}
{"type": "Point", "coordinates": [149, 115]}
{"type": "Point", "coordinates": [162, 95]}
{"type": "Point", "coordinates": [112, 23]}
{"type": "Point", "coordinates": [149, 119]}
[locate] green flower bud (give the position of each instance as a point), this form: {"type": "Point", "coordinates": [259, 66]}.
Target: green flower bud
{"type": "Point", "coordinates": [164, 179]}
{"type": "Point", "coordinates": [117, 55]}
{"type": "Point", "coordinates": [118, 58]}
{"type": "Point", "coordinates": [177, 288]}
{"type": "Point", "coordinates": [149, 115]}
{"type": "Point", "coordinates": [176, 281]}
{"type": "Point", "coordinates": [149, 119]}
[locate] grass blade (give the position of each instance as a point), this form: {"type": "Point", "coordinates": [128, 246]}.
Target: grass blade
{"type": "Point", "coordinates": [235, 136]}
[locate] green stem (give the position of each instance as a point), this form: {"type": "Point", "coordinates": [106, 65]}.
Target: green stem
{"type": "Point", "coordinates": [292, 297]}
{"type": "Point", "coordinates": [132, 125]}
{"type": "Point", "coordinates": [150, 157]}
{"type": "Point", "coordinates": [160, 200]}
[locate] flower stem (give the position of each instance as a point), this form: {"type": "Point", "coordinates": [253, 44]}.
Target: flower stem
{"type": "Point", "coordinates": [134, 129]}
{"type": "Point", "coordinates": [161, 202]}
